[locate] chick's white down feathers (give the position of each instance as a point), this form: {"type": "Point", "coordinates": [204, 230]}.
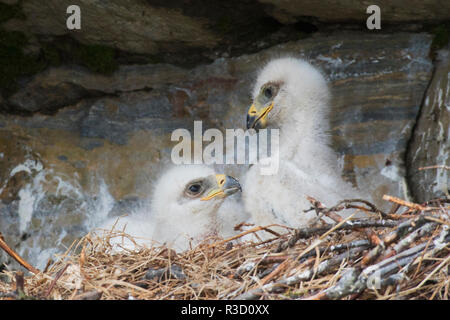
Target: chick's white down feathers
{"type": "Point", "coordinates": [177, 218]}
{"type": "Point", "coordinates": [307, 164]}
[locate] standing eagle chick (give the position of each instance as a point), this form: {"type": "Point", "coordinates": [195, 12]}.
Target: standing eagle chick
{"type": "Point", "coordinates": [292, 96]}
{"type": "Point", "coordinates": [184, 208]}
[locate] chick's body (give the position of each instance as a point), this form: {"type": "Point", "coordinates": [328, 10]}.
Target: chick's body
{"type": "Point", "coordinates": [292, 96]}
{"type": "Point", "coordinates": [184, 210]}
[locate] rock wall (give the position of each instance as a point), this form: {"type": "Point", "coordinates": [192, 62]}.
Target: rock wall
{"type": "Point", "coordinates": [85, 121]}
{"type": "Point", "coordinates": [393, 11]}
{"type": "Point", "coordinates": [430, 142]}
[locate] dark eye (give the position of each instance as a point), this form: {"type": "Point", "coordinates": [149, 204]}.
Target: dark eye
{"type": "Point", "coordinates": [268, 92]}
{"type": "Point", "coordinates": [195, 188]}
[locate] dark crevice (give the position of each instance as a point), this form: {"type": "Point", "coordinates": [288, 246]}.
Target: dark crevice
{"type": "Point", "coordinates": [407, 157]}
{"type": "Point", "coordinates": [306, 26]}
{"type": "Point", "coordinates": [242, 26]}
{"type": "Point", "coordinates": [232, 20]}
{"type": "Point", "coordinates": [88, 95]}
{"type": "Point", "coordinates": [144, 89]}
{"type": "Point", "coordinates": [51, 108]}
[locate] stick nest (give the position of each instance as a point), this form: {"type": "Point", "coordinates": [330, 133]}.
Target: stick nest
{"type": "Point", "coordinates": [403, 254]}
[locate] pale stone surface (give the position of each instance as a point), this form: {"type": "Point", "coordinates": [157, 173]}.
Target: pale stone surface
{"type": "Point", "coordinates": [127, 25]}
{"type": "Point", "coordinates": [430, 143]}
{"type": "Point", "coordinates": [286, 11]}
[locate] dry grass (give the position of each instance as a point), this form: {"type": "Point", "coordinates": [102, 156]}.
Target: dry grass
{"type": "Point", "coordinates": [404, 254]}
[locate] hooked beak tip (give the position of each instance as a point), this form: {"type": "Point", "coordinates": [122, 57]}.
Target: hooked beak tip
{"type": "Point", "coordinates": [224, 188]}
{"type": "Point", "coordinates": [250, 122]}
{"type": "Point", "coordinates": [231, 186]}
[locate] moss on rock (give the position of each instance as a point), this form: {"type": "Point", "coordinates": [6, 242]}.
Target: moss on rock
{"type": "Point", "coordinates": [441, 38]}
{"type": "Point", "coordinates": [97, 58]}
{"type": "Point", "coordinates": [10, 11]}
{"type": "Point", "coordinates": [14, 62]}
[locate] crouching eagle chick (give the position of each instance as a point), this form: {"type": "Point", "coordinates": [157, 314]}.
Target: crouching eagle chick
{"type": "Point", "coordinates": [184, 210]}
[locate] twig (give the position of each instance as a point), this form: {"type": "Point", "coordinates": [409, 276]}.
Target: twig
{"type": "Point", "coordinates": [339, 247]}
{"type": "Point", "coordinates": [398, 233]}
{"type": "Point", "coordinates": [403, 202]}
{"type": "Point", "coordinates": [275, 272]}
{"type": "Point", "coordinates": [252, 230]}
{"type": "Point", "coordinates": [371, 235]}
{"type": "Point", "coordinates": [354, 282]}
{"type": "Point", "coordinates": [90, 295]}
{"type": "Point", "coordinates": [435, 167]}
{"type": "Point", "coordinates": [20, 283]}
{"type": "Point", "coordinates": [348, 284]}
{"type": "Point", "coordinates": [323, 268]}
{"type": "Point", "coordinates": [53, 283]}
{"type": "Point", "coordinates": [345, 204]}
{"type": "Point", "coordinates": [16, 256]}
{"type": "Point", "coordinates": [437, 220]}
{"type": "Point", "coordinates": [407, 241]}
{"type": "Point", "coordinates": [444, 262]}
{"type": "Point", "coordinates": [304, 233]}
{"type": "Point", "coordinates": [322, 237]}
{"type": "Point", "coordinates": [19, 292]}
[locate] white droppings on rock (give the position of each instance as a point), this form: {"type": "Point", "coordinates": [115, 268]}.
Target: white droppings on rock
{"type": "Point", "coordinates": [28, 166]}
{"type": "Point", "coordinates": [102, 206]}
{"type": "Point", "coordinates": [337, 46]}
{"type": "Point", "coordinates": [440, 242]}
{"type": "Point", "coordinates": [391, 172]}
{"type": "Point", "coordinates": [26, 207]}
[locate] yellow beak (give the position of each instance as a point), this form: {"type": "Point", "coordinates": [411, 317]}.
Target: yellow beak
{"type": "Point", "coordinates": [256, 119]}
{"type": "Point", "coordinates": [225, 186]}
